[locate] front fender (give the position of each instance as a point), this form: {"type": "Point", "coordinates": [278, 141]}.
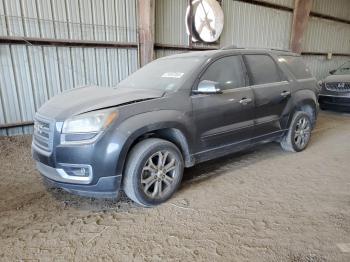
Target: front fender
{"type": "Point", "coordinates": [138, 125]}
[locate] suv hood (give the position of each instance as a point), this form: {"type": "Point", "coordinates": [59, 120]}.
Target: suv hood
{"type": "Point", "coordinates": [85, 99]}
{"type": "Point", "coordinates": [337, 78]}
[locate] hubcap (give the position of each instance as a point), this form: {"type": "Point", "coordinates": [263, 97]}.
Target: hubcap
{"type": "Point", "coordinates": [302, 132]}
{"type": "Point", "coordinates": [158, 174]}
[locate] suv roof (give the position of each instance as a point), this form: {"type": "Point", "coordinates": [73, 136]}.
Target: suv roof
{"type": "Point", "coordinates": [232, 50]}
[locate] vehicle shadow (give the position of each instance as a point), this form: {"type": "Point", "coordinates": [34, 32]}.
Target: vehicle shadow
{"type": "Point", "coordinates": [194, 175]}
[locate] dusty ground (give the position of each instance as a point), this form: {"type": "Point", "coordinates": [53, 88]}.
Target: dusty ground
{"type": "Point", "coordinates": [261, 205]}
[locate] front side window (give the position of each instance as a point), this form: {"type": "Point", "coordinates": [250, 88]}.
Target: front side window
{"type": "Point", "coordinates": [343, 70]}
{"type": "Point", "coordinates": [263, 69]}
{"type": "Point", "coordinates": [227, 72]}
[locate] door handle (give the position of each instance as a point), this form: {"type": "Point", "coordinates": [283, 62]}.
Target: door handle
{"type": "Point", "coordinates": [285, 93]}
{"type": "Point", "coordinates": [245, 101]}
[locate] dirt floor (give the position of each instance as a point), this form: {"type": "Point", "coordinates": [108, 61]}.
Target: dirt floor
{"type": "Point", "coordinates": [261, 205]}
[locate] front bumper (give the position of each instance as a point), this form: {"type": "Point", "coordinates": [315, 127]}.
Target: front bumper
{"type": "Point", "coordinates": [106, 187]}
{"type": "Point", "coordinates": [334, 101]}
{"type": "Point", "coordinates": [92, 170]}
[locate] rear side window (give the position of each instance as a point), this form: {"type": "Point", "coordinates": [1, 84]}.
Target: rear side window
{"type": "Point", "coordinates": [296, 66]}
{"type": "Point", "coordinates": [263, 69]}
{"type": "Point", "coordinates": [228, 71]}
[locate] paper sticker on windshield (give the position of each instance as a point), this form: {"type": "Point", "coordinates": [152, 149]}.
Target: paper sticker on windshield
{"type": "Point", "coordinates": [173, 74]}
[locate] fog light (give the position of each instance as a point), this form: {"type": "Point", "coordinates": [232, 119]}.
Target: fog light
{"type": "Point", "coordinates": [78, 171]}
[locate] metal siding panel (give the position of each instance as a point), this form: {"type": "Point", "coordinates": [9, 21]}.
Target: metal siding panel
{"type": "Point", "coordinates": [90, 66]}
{"type": "Point", "coordinates": [52, 70]}
{"type": "Point", "coordinates": [131, 21]}
{"type": "Point", "coordinates": [120, 8]}
{"type": "Point", "coordinates": [3, 26]}
{"type": "Point", "coordinates": [132, 62]}
{"type": "Point", "coordinates": [113, 68]}
{"type": "Point", "coordinates": [170, 22]}
{"type": "Point", "coordinates": [337, 36]}
{"type": "Point", "coordinates": [102, 66]}
{"type": "Point", "coordinates": [15, 131]}
{"type": "Point", "coordinates": [23, 82]}
{"type": "Point", "coordinates": [47, 28]}
{"type": "Point", "coordinates": [73, 16]}
{"type": "Point", "coordinates": [98, 18]}
{"type": "Point", "coordinates": [2, 114]}
{"type": "Point", "coordinates": [164, 52]}
{"type": "Point", "coordinates": [65, 66]}
{"type": "Point", "coordinates": [110, 20]}
{"type": "Point", "coordinates": [27, 130]}
{"type": "Point", "coordinates": [248, 25]}
{"type": "Point", "coordinates": [30, 18]}
{"type": "Point", "coordinates": [78, 67]}
{"type": "Point", "coordinates": [38, 75]}
{"type": "Point", "coordinates": [336, 8]}
{"type": "Point", "coordinates": [60, 18]}
{"type": "Point", "coordinates": [122, 63]}
{"type": "Point", "coordinates": [87, 20]}
{"type": "Point", "coordinates": [320, 65]}
{"type": "Point", "coordinates": [9, 94]}
{"type": "Point", "coordinates": [14, 17]}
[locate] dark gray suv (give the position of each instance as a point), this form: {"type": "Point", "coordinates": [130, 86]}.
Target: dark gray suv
{"type": "Point", "coordinates": [173, 113]}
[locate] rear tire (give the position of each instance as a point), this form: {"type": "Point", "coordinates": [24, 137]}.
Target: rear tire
{"type": "Point", "coordinates": [153, 172]}
{"type": "Point", "coordinates": [299, 133]}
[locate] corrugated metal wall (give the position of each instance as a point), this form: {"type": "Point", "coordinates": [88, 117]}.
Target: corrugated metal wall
{"type": "Point", "coordinates": [30, 75]}
{"type": "Point", "coordinates": [170, 22]}
{"type": "Point", "coordinates": [255, 26]}
{"type": "Point", "coordinates": [335, 8]}
{"type": "Point", "coordinates": [101, 20]}
{"type": "Point", "coordinates": [323, 35]}
{"type": "Point", "coordinates": [163, 52]}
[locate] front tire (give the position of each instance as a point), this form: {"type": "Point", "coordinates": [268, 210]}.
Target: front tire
{"type": "Point", "coordinates": [153, 172]}
{"type": "Point", "coordinates": [299, 133]}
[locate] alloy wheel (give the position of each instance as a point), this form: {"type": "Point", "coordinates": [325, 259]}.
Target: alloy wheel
{"type": "Point", "coordinates": [158, 174]}
{"type": "Point", "coordinates": [302, 132]}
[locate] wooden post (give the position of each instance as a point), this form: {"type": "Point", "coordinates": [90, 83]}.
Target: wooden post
{"type": "Point", "coordinates": [146, 15]}
{"type": "Point", "coordinates": [301, 13]}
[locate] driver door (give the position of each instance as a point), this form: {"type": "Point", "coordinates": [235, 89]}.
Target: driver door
{"type": "Point", "coordinates": [225, 119]}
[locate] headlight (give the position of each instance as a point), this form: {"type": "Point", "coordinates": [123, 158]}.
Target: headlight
{"type": "Point", "coordinates": [92, 122]}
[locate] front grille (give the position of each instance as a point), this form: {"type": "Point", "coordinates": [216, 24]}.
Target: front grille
{"type": "Point", "coordinates": [338, 87]}
{"type": "Point", "coordinates": [43, 133]}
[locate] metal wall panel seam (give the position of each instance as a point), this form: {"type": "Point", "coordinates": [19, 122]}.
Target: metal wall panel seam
{"type": "Point", "coordinates": [31, 79]}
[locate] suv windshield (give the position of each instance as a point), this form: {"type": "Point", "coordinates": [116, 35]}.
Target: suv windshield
{"type": "Point", "coordinates": [343, 70]}
{"type": "Point", "coordinates": [165, 74]}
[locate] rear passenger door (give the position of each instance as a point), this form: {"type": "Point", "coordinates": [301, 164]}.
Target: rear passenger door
{"type": "Point", "coordinates": [271, 91]}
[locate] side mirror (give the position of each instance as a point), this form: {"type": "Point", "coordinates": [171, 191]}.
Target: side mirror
{"type": "Point", "coordinates": [332, 71]}
{"type": "Point", "coordinates": [208, 87]}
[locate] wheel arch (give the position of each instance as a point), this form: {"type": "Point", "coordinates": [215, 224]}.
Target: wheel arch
{"type": "Point", "coordinates": [165, 125]}
{"type": "Point", "coordinates": [306, 101]}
